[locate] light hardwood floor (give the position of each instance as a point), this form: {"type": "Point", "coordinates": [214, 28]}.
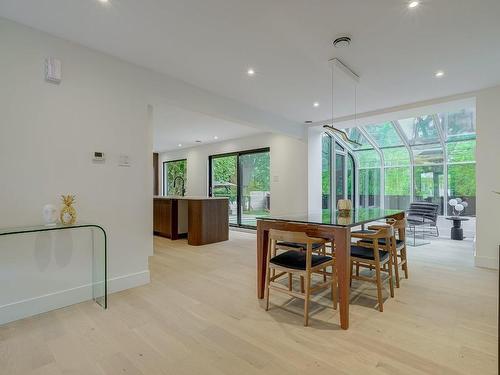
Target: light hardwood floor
{"type": "Point", "coordinates": [200, 315]}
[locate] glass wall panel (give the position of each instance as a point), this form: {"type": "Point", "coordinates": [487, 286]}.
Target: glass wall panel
{"type": "Point", "coordinates": [420, 130]}
{"type": "Point", "coordinates": [429, 184]}
{"type": "Point", "coordinates": [461, 151]}
{"type": "Point", "coordinates": [255, 186]}
{"type": "Point", "coordinates": [224, 182]}
{"type": "Point", "coordinates": [396, 156]}
{"type": "Point", "coordinates": [428, 154]}
{"type": "Point", "coordinates": [368, 158]}
{"type": "Point", "coordinates": [397, 188]}
{"type": "Point", "coordinates": [174, 173]}
{"type": "Point", "coordinates": [369, 187]}
{"type": "Point", "coordinates": [384, 134]}
{"type": "Point", "coordinates": [326, 171]}
{"type": "Point", "coordinates": [462, 184]}
{"type": "Point", "coordinates": [459, 125]}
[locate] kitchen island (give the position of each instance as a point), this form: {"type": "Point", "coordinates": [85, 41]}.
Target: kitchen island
{"type": "Point", "coordinates": [203, 220]}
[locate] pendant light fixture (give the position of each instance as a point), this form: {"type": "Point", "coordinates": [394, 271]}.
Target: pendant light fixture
{"type": "Point", "coordinates": [336, 63]}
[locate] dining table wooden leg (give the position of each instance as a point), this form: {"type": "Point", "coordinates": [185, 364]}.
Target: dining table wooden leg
{"type": "Point", "coordinates": [343, 261]}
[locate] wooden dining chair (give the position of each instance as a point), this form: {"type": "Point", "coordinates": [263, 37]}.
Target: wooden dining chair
{"type": "Point", "coordinates": [397, 246]}
{"type": "Point", "coordinates": [298, 261]}
{"type": "Point", "coordinates": [319, 248]}
{"type": "Point", "coordinates": [374, 257]}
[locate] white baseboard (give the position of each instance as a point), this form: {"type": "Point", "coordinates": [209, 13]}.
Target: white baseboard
{"type": "Point", "coordinates": [51, 301]}
{"type": "Point", "coordinates": [132, 280]}
{"type": "Point", "coordinates": [486, 262]}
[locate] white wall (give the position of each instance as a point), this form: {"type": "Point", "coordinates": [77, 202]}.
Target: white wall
{"type": "Point", "coordinates": [288, 158]}
{"type": "Point", "coordinates": [487, 160]}
{"type": "Point", "coordinates": [47, 135]}
{"type": "Point", "coordinates": [488, 177]}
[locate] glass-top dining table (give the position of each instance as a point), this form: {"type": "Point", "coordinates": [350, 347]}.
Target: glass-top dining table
{"type": "Point", "coordinates": [326, 224]}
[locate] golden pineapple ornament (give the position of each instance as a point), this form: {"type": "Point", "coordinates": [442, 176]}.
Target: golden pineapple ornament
{"type": "Point", "coordinates": [68, 212]}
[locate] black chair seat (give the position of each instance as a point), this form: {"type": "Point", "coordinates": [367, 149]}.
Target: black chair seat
{"type": "Point", "coordinates": [297, 260]}
{"type": "Point", "coordinates": [381, 241]}
{"type": "Point", "coordinates": [297, 245]}
{"type": "Point", "coordinates": [367, 253]}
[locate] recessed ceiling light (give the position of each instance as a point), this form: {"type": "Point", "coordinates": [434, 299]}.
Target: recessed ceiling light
{"type": "Point", "coordinates": [439, 73]}
{"type": "Point", "coordinates": [104, 1]}
{"type": "Point", "coordinates": [315, 104]}
{"type": "Point", "coordinates": [251, 72]}
{"type": "Point", "coordinates": [215, 137]}
{"type": "Point", "coordinates": [179, 145]}
{"type": "Point", "coordinates": [413, 4]}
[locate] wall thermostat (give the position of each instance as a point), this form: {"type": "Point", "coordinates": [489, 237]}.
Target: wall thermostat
{"type": "Point", "coordinates": [98, 156]}
{"type": "Point", "coordinates": [53, 70]}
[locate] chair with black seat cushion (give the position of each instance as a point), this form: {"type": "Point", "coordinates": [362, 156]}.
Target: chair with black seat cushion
{"type": "Point", "coordinates": [319, 248]}
{"type": "Point", "coordinates": [423, 213]}
{"type": "Point", "coordinates": [374, 257]}
{"type": "Point", "coordinates": [298, 261]}
{"type": "Point", "coordinates": [397, 246]}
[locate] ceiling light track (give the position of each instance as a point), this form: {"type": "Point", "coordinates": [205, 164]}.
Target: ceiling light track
{"type": "Point", "coordinates": [345, 69]}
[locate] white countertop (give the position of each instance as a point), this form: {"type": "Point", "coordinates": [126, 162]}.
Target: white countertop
{"type": "Point", "coordinates": [195, 198]}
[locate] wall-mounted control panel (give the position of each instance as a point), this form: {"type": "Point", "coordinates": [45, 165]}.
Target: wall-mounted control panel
{"type": "Point", "coordinates": [98, 156]}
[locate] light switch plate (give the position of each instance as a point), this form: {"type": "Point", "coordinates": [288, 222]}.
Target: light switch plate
{"type": "Point", "coordinates": [124, 161]}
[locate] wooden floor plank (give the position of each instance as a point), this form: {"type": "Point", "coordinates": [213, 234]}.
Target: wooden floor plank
{"type": "Point", "coordinates": [200, 315]}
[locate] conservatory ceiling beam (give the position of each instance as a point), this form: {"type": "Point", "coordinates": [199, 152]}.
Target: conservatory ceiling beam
{"type": "Point", "coordinates": [400, 132]}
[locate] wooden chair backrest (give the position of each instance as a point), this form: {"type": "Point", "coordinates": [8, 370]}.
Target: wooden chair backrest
{"type": "Point", "coordinates": [299, 237]}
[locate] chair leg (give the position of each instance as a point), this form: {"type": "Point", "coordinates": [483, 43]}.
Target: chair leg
{"type": "Point", "coordinates": [290, 281]}
{"type": "Point", "coordinates": [302, 284]}
{"type": "Point", "coordinates": [379, 288]}
{"type": "Point", "coordinates": [350, 277]}
{"type": "Point", "coordinates": [396, 267]}
{"type": "Point", "coordinates": [268, 282]}
{"type": "Point", "coordinates": [357, 269]}
{"type": "Point", "coordinates": [306, 299]}
{"type": "Point", "coordinates": [404, 256]}
{"type": "Point", "coordinates": [324, 253]}
{"type": "Point", "coordinates": [391, 284]}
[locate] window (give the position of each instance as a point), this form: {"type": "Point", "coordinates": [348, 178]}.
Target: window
{"type": "Point", "coordinates": [420, 130]}
{"type": "Point", "coordinates": [244, 178]}
{"type": "Point", "coordinates": [326, 157]}
{"type": "Point", "coordinates": [423, 158]}
{"type": "Point", "coordinates": [174, 177]}
{"type": "Point", "coordinates": [429, 184]}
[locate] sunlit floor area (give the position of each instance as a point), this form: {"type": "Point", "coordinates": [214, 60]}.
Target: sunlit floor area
{"type": "Point", "coordinates": [200, 315]}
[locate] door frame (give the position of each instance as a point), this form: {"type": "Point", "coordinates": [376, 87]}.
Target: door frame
{"type": "Point", "coordinates": [238, 180]}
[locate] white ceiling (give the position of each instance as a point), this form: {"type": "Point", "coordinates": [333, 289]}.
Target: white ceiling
{"type": "Point", "coordinates": [211, 43]}
{"type": "Point", "coordinates": [173, 126]}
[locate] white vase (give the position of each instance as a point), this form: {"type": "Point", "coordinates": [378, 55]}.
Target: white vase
{"type": "Point", "coordinates": [49, 213]}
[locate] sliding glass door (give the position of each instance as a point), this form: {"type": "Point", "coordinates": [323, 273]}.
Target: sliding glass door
{"type": "Point", "coordinates": [243, 177]}
{"type": "Point", "coordinates": [224, 182]}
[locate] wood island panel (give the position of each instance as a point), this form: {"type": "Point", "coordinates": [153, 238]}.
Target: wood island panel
{"type": "Point", "coordinates": [165, 217]}
{"type": "Point", "coordinates": [208, 221]}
